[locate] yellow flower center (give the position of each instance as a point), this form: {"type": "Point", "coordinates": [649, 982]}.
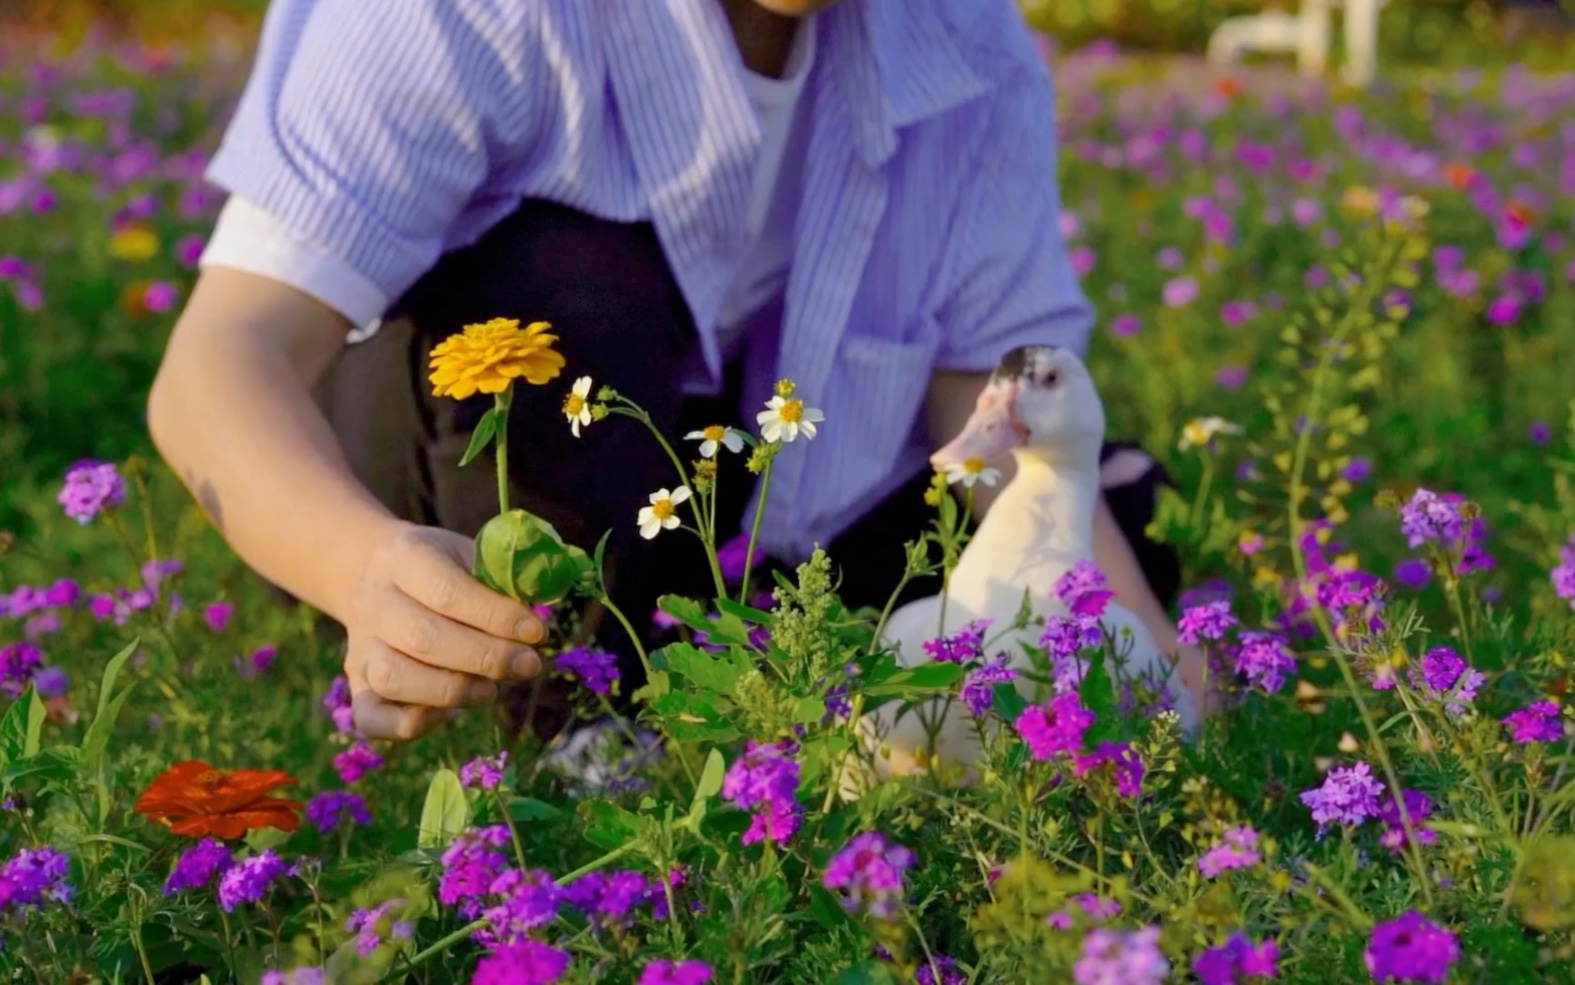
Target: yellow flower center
{"type": "Point", "coordinates": [973, 466]}
{"type": "Point", "coordinates": [662, 509]}
{"type": "Point", "coordinates": [792, 411]}
{"type": "Point", "coordinates": [573, 405]}
{"type": "Point", "coordinates": [715, 432]}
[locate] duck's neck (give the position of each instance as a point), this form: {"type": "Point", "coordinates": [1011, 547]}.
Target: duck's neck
{"type": "Point", "coordinates": [1040, 525]}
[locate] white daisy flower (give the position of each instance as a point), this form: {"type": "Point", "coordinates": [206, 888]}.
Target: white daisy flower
{"type": "Point", "coordinates": [970, 471]}
{"type": "Point", "coordinates": [716, 437]}
{"type": "Point", "coordinates": [785, 418]}
{"type": "Point", "coordinates": [662, 514]}
{"type": "Point", "coordinates": [1201, 430]}
{"type": "Point", "coordinates": [577, 405]}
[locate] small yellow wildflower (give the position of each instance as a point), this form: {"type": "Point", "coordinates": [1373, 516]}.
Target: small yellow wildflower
{"type": "Point", "coordinates": [786, 388]}
{"type": "Point", "coordinates": [715, 438]}
{"type": "Point", "coordinates": [662, 514]}
{"type": "Point", "coordinates": [932, 496]}
{"type": "Point", "coordinates": [576, 406]}
{"type": "Point", "coordinates": [488, 357]}
{"type": "Point", "coordinates": [972, 471]}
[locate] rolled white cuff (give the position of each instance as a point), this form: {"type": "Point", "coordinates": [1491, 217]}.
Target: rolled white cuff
{"type": "Point", "coordinates": [247, 238]}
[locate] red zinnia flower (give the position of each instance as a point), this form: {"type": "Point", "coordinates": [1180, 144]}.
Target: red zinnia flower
{"type": "Point", "coordinates": [196, 800]}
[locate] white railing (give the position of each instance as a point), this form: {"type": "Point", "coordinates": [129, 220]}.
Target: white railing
{"type": "Point", "coordinates": [1306, 33]}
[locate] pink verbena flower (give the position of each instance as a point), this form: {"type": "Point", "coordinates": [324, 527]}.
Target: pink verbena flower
{"type": "Point", "coordinates": [527, 962]}
{"type": "Point", "coordinates": [1236, 961]}
{"type": "Point", "coordinates": [1084, 589]}
{"type": "Point", "coordinates": [1348, 795]}
{"type": "Point", "coordinates": [1114, 957]}
{"type": "Point", "coordinates": [1054, 727]}
{"type": "Point", "coordinates": [962, 647]}
{"type": "Point", "coordinates": [1209, 621]}
{"type": "Point", "coordinates": [91, 487]}
{"type": "Point", "coordinates": [1238, 849]}
{"type": "Point", "coordinates": [675, 973]}
{"type": "Point", "coordinates": [764, 781]}
{"type": "Point", "coordinates": [868, 874]}
{"type": "Point", "coordinates": [356, 762]}
{"type": "Point", "coordinates": [484, 772]}
{"type": "Point", "coordinates": [1125, 766]}
{"type": "Point", "coordinates": [1537, 722]}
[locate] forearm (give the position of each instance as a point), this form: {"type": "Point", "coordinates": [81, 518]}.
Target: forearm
{"type": "Point", "coordinates": [233, 414]}
{"type": "Point", "coordinates": [1115, 557]}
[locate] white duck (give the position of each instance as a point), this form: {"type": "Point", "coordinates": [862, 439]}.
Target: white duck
{"type": "Point", "coordinates": [1041, 405]}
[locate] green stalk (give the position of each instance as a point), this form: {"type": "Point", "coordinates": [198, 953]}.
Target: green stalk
{"type": "Point", "coordinates": [504, 401]}
{"type": "Point", "coordinates": [754, 529]}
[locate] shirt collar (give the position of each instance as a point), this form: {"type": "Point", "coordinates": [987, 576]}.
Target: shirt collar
{"type": "Point", "coordinates": [897, 62]}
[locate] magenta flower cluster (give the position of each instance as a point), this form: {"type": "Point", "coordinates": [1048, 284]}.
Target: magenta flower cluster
{"type": "Point", "coordinates": [867, 874]}
{"type": "Point", "coordinates": [764, 781]}
{"type": "Point", "coordinates": [1410, 948]}
{"type": "Point", "coordinates": [962, 647]}
{"type": "Point", "coordinates": [1054, 727]}
{"type": "Point", "coordinates": [1537, 722]}
{"type": "Point", "coordinates": [90, 488]}
{"type": "Point", "coordinates": [1238, 849]}
{"type": "Point", "coordinates": [484, 772]}
{"type": "Point", "coordinates": [1236, 962]}
{"type": "Point", "coordinates": [1123, 763]}
{"type": "Point", "coordinates": [1084, 590]}
{"type": "Point", "coordinates": [978, 687]}
{"type": "Point", "coordinates": [357, 761]}
{"type": "Point", "coordinates": [1442, 675]}
{"type": "Point", "coordinates": [1563, 573]}
{"type": "Point", "coordinates": [1115, 957]}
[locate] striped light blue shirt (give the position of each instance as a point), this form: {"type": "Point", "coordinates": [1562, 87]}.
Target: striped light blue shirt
{"type": "Point", "coordinates": [925, 237]}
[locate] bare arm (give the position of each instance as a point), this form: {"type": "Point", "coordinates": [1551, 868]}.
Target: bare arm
{"type": "Point", "coordinates": [232, 412]}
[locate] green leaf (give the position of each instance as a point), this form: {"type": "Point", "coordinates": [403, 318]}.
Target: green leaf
{"type": "Point", "coordinates": [1008, 701]}
{"type": "Point", "coordinates": [112, 673]}
{"type": "Point", "coordinates": [1098, 694]}
{"type": "Point", "coordinates": [55, 764]}
{"type": "Point", "coordinates": [608, 826]}
{"type": "Point", "coordinates": [729, 630]}
{"type": "Point", "coordinates": [531, 809]}
{"type": "Point", "coordinates": [521, 555]}
{"type": "Point", "coordinates": [685, 610]}
{"type": "Point", "coordinates": [96, 740]}
{"type": "Point", "coordinates": [748, 613]}
{"type": "Point", "coordinates": [711, 776]}
{"type": "Point", "coordinates": [714, 672]}
{"type": "Point", "coordinates": [809, 711]}
{"type": "Point", "coordinates": [262, 839]}
{"type": "Point", "coordinates": [18, 724]}
{"type": "Point", "coordinates": [598, 560]}
{"type": "Point", "coordinates": [657, 684]}
{"type": "Point", "coordinates": [926, 677]}
{"type": "Point", "coordinates": [446, 812]}
{"type": "Point", "coordinates": [486, 429]}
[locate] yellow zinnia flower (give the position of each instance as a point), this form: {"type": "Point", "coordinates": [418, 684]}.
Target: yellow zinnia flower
{"type": "Point", "coordinates": [133, 244]}
{"type": "Point", "coordinates": [486, 358]}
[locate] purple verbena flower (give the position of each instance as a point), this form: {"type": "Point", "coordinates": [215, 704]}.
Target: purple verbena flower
{"type": "Point", "coordinates": [527, 962]}
{"type": "Point", "coordinates": [1054, 727]}
{"type": "Point", "coordinates": [1236, 961]}
{"type": "Point", "coordinates": [198, 866]}
{"type": "Point", "coordinates": [1429, 518]}
{"type": "Point", "coordinates": [868, 873]}
{"type": "Point", "coordinates": [962, 647]}
{"type": "Point", "coordinates": [34, 876]}
{"type": "Point", "coordinates": [941, 970]}
{"type": "Point", "coordinates": [356, 762]}
{"type": "Point", "coordinates": [484, 772]}
{"type": "Point", "coordinates": [1209, 621]}
{"type": "Point", "coordinates": [1064, 636]}
{"type": "Point", "coordinates": [1094, 906]}
{"type": "Point", "coordinates": [1410, 948]}
{"type": "Point", "coordinates": [1084, 590]}
{"type": "Point", "coordinates": [1443, 675]}
{"type": "Point", "coordinates": [1537, 722]}
{"type": "Point", "coordinates": [1348, 795]}
{"type": "Point", "coordinates": [1113, 957]}
{"type": "Point", "coordinates": [91, 487]}
{"type": "Point", "coordinates": [248, 880]}
{"type": "Point", "coordinates": [687, 972]}
{"type": "Point", "coordinates": [607, 897]}
{"type": "Point", "coordinates": [596, 669]}
{"type": "Point", "coordinates": [1264, 660]}
{"type": "Point", "coordinates": [1238, 849]}
{"type": "Point", "coordinates": [978, 687]}
{"type": "Point", "coordinates": [295, 976]}
{"type": "Point", "coordinates": [336, 700]}
{"type": "Point", "coordinates": [19, 665]}
{"type": "Point", "coordinates": [217, 615]}
{"type": "Point", "coordinates": [764, 781]}
{"type": "Point", "coordinates": [367, 926]}
{"type": "Point", "coordinates": [1126, 766]}
{"type": "Point", "coordinates": [1418, 808]}
{"type": "Point", "coordinates": [528, 900]}
{"type": "Point", "coordinates": [332, 808]}
{"type": "Point", "coordinates": [470, 864]}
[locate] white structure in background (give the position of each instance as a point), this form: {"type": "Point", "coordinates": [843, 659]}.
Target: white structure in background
{"type": "Point", "coordinates": [1307, 34]}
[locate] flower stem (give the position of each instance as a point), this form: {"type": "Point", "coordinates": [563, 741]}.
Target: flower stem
{"type": "Point", "coordinates": [500, 441]}
{"type": "Point", "coordinates": [634, 638]}
{"type": "Point", "coordinates": [514, 833]}
{"type": "Point", "coordinates": [754, 530]}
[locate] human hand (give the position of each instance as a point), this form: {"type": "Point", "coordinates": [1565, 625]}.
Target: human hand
{"type": "Point", "coordinates": [425, 636]}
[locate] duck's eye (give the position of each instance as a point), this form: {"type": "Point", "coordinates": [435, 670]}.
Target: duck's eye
{"type": "Point", "coordinates": [1048, 377]}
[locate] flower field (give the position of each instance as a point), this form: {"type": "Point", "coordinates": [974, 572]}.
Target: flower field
{"type": "Point", "coordinates": [1345, 322]}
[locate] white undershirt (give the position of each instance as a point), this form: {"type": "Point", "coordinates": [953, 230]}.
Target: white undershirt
{"type": "Point", "coordinates": [763, 274]}
{"type": "Point", "coordinates": [248, 238]}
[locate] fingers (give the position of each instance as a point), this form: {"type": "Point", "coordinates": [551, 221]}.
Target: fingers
{"type": "Point", "coordinates": [376, 718]}
{"type": "Point", "coordinates": [416, 631]}
{"type": "Point", "coordinates": [437, 580]}
{"type": "Point", "coordinates": [402, 679]}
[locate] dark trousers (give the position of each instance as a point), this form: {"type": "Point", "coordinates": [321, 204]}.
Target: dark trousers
{"type": "Point", "coordinates": [622, 320]}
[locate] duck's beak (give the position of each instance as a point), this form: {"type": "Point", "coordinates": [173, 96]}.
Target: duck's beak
{"type": "Point", "coordinates": [992, 431]}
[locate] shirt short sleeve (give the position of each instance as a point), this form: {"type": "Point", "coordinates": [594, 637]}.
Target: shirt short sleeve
{"type": "Point", "coordinates": [1010, 280]}
{"type": "Point", "coordinates": [363, 133]}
